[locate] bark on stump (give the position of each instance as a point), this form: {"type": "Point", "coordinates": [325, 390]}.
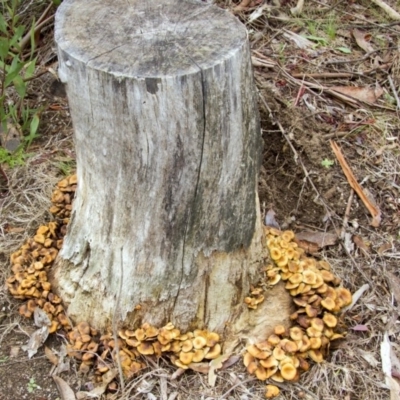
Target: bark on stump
{"type": "Point", "coordinates": [166, 223]}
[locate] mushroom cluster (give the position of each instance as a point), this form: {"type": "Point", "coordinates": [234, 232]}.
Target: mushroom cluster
{"type": "Point", "coordinates": [282, 356]}
{"type": "Point", "coordinates": [99, 353]}
{"type": "Point", "coordinates": [62, 198]}
{"type": "Point", "coordinates": [29, 281]}
{"type": "Point", "coordinates": [318, 299]}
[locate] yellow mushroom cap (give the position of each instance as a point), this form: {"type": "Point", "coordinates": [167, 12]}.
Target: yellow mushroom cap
{"type": "Point", "coordinates": [279, 330]}
{"type": "Point", "coordinates": [345, 295]}
{"type": "Point", "coordinates": [296, 333]}
{"type": "Point", "coordinates": [309, 277]}
{"type": "Point", "coordinates": [274, 280]}
{"type": "Point", "coordinates": [187, 345]}
{"type": "Point", "coordinates": [290, 347]}
{"type": "Point", "coordinates": [199, 342]}
{"type": "Point", "coordinates": [212, 339]}
{"type": "Point", "coordinates": [330, 320]}
{"type": "Point", "coordinates": [327, 276]}
{"type": "Point", "coordinates": [145, 348]}
{"type": "Point", "coordinates": [318, 324]}
{"type": "Point", "coordinates": [247, 359]}
{"type": "Point", "coordinates": [274, 339]}
{"type": "Point", "coordinates": [270, 362]}
{"type": "Point", "coordinates": [83, 328]}
{"type": "Point", "coordinates": [271, 391]}
{"type": "Point", "coordinates": [315, 343]}
{"type": "Point", "coordinates": [252, 367]}
{"type": "Point", "coordinates": [316, 356]}
{"type": "Point", "coordinates": [264, 346]}
{"type": "Point", "coordinates": [279, 353]}
{"type": "Point", "coordinates": [311, 311]}
{"type": "Point", "coordinates": [186, 358]}
{"type": "Point", "coordinates": [214, 352]}
{"type": "Point", "coordinates": [275, 252]}
{"type": "Point", "coordinates": [261, 373]}
{"type": "Point", "coordinates": [288, 371]}
{"type": "Point", "coordinates": [328, 303]}
{"type": "Point", "coordinates": [199, 355]}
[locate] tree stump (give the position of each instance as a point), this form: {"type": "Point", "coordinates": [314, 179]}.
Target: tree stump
{"type": "Point", "coordinates": [166, 224]}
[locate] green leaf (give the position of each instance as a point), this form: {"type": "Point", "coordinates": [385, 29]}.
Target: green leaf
{"type": "Point", "coordinates": [3, 25]}
{"type": "Point", "coordinates": [344, 50]}
{"type": "Point", "coordinates": [18, 34]}
{"type": "Point", "coordinates": [57, 2]}
{"type": "Point", "coordinates": [4, 48]}
{"type": "Point", "coordinates": [20, 86]}
{"type": "Point", "coordinates": [30, 69]}
{"type": "Point", "coordinates": [318, 39]}
{"type": "Point", "coordinates": [34, 125]}
{"type": "Point", "coordinates": [13, 71]}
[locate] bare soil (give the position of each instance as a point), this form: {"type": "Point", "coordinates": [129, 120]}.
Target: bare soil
{"type": "Point", "coordinates": [300, 180]}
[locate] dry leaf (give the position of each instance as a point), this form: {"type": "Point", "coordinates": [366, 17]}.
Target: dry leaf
{"type": "Point", "coordinates": [202, 367]}
{"type": "Point", "coordinates": [300, 41]}
{"type": "Point", "coordinates": [215, 364]}
{"type": "Point", "coordinates": [14, 351]}
{"type": "Point", "coordinates": [308, 247]}
{"type": "Point", "coordinates": [360, 328]}
{"type": "Point", "coordinates": [64, 389]}
{"type": "Point", "coordinates": [365, 94]}
{"type": "Point", "coordinates": [384, 247]}
{"type": "Point", "coordinates": [50, 355]}
{"type": "Point", "coordinates": [387, 368]}
{"type": "Point", "coordinates": [231, 361]}
{"type": "Point", "coordinates": [37, 339]}
{"type": "Point", "coordinates": [356, 296]}
{"type": "Point", "coordinates": [270, 219]}
{"type": "Point", "coordinates": [40, 318]}
{"type": "Point", "coordinates": [362, 40]}
{"type": "Point", "coordinates": [321, 239]}
{"type": "Point", "coordinates": [359, 242]}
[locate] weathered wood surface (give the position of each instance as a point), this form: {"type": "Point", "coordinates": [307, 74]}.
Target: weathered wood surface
{"type": "Point", "coordinates": [168, 148]}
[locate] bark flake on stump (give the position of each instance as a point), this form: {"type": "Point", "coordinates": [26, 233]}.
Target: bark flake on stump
{"type": "Point", "coordinates": [166, 223]}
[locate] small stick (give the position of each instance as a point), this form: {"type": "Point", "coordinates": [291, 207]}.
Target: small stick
{"type": "Point", "coordinates": [389, 10]}
{"type": "Point", "coordinates": [394, 91]}
{"type": "Point", "coordinates": [347, 213]}
{"type": "Point", "coordinates": [373, 209]}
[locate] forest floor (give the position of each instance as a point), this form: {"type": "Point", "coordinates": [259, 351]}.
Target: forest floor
{"type": "Point", "coordinates": [329, 76]}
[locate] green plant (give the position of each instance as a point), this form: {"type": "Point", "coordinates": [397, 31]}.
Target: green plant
{"type": "Point", "coordinates": [327, 163]}
{"type": "Point", "coordinates": [67, 166]}
{"type": "Point", "coordinates": [3, 359]}
{"type": "Point", "coordinates": [32, 386]}
{"type": "Point", "coordinates": [331, 28]}
{"type": "Point", "coordinates": [16, 70]}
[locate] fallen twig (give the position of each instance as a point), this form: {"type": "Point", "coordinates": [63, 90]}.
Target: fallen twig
{"type": "Point", "coordinates": [394, 91]}
{"type": "Point", "coordinates": [372, 208]}
{"type": "Point", "coordinates": [389, 10]}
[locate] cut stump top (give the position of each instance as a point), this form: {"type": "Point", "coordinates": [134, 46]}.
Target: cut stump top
{"type": "Point", "coordinates": [147, 38]}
